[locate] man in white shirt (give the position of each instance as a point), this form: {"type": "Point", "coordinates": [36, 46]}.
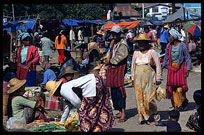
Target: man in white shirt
{"type": "Point", "coordinates": [71, 36]}
{"type": "Point", "coordinates": [80, 35]}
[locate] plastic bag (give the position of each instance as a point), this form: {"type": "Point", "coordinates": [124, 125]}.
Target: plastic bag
{"type": "Point", "coordinates": [16, 123]}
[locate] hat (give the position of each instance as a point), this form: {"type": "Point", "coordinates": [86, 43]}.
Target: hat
{"type": "Point", "coordinates": [14, 85]}
{"type": "Point", "coordinates": [69, 70]}
{"type": "Point", "coordinates": [166, 26]}
{"type": "Point", "coordinates": [52, 86]}
{"type": "Point", "coordinates": [175, 34]}
{"type": "Point", "coordinates": [100, 33]}
{"type": "Point", "coordinates": [45, 65]}
{"type": "Point", "coordinates": [143, 37]}
{"type": "Point", "coordinates": [116, 29]}
{"type": "Point", "coordinates": [92, 48]}
{"type": "Point", "coordinates": [25, 35]}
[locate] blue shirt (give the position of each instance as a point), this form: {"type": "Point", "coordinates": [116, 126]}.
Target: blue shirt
{"type": "Point", "coordinates": [24, 53]}
{"type": "Point", "coordinates": [164, 36]}
{"type": "Point", "coordinates": [49, 75]}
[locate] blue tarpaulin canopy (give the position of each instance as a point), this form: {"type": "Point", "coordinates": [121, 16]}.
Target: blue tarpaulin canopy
{"type": "Point", "coordinates": [70, 22]}
{"type": "Point", "coordinates": [18, 25]}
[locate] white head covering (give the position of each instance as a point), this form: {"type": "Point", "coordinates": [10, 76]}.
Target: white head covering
{"type": "Point", "coordinates": [175, 34]}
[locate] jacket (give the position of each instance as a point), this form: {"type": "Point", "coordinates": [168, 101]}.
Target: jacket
{"type": "Point", "coordinates": [32, 55]}
{"type": "Point", "coordinates": [183, 55]}
{"type": "Point", "coordinates": [119, 53]}
{"type": "Point", "coordinates": [47, 46]}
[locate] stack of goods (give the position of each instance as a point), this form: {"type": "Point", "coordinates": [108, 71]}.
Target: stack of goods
{"type": "Point", "coordinates": [72, 126]}
{"type": "Point", "coordinates": [30, 92]}
{"type": "Point", "coordinates": [50, 128]}
{"type": "Point", "coordinates": [53, 103]}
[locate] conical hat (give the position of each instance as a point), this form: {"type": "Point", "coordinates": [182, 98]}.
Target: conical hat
{"type": "Point", "coordinates": [52, 86]}
{"type": "Point", "coordinates": [142, 37]}
{"type": "Point", "coordinates": [14, 85]}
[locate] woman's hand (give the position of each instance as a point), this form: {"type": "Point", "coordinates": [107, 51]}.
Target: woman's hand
{"type": "Point", "coordinates": [158, 82]}
{"type": "Point", "coordinates": [187, 73]}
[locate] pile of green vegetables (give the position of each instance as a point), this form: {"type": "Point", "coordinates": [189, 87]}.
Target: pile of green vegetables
{"type": "Point", "coordinates": [50, 128]}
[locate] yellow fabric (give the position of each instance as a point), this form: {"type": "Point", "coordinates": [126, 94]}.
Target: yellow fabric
{"type": "Point", "coordinates": [178, 96]}
{"type": "Point", "coordinates": [145, 91]}
{"type": "Point", "coordinates": [63, 42]}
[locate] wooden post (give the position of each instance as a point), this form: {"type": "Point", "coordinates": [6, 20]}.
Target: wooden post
{"type": "Point", "coordinates": [92, 29]}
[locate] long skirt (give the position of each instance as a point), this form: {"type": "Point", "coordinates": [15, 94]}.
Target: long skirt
{"type": "Point", "coordinates": [95, 113]}
{"type": "Point", "coordinates": [145, 92]}
{"type": "Point", "coordinates": [61, 56]}
{"type": "Point", "coordinates": [31, 79]}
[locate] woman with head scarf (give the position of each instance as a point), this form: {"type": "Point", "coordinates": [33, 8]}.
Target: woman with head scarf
{"type": "Point", "coordinates": [28, 57]}
{"type": "Point", "coordinates": [145, 77]}
{"type": "Point", "coordinates": [49, 74]}
{"type": "Point", "coordinates": [90, 97]}
{"type": "Point", "coordinates": [18, 105]}
{"type": "Point", "coordinates": [178, 62]}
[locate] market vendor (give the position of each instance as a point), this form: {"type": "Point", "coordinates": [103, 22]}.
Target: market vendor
{"type": "Point", "coordinates": [18, 105]}
{"type": "Point", "coordinates": [49, 74]}
{"type": "Point", "coordinates": [91, 99]}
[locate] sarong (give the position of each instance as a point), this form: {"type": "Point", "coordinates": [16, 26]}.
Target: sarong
{"type": "Point", "coordinates": [145, 91]}
{"type": "Point", "coordinates": [95, 113]}
{"type": "Point", "coordinates": [61, 56]}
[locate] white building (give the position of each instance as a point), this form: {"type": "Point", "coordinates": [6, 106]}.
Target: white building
{"type": "Point", "coordinates": [160, 11]}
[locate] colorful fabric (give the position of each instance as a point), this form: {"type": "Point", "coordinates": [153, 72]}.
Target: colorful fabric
{"type": "Point", "coordinates": [61, 56]}
{"type": "Point", "coordinates": [183, 56]}
{"type": "Point", "coordinates": [18, 105]}
{"type": "Point", "coordinates": [178, 96]}
{"type": "Point", "coordinates": [115, 76]}
{"type": "Point", "coordinates": [95, 113]}
{"type": "Point", "coordinates": [102, 72]}
{"type": "Point", "coordinates": [145, 91]}
{"type": "Point", "coordinates": [53, 103]}
{"type": "Point", "coordinates": [175, 77]}
{"type": "Point", "coordinates": [32, 56]}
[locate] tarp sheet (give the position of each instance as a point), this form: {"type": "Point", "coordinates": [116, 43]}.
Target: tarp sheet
{"type": "Point", "coordinates": [128, 25]}
{"type": "Point", "coordinates": [176, 15]}
{"type": "Point", "coordinates": [18, 25]}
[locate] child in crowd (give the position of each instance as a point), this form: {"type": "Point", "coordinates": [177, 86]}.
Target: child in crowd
{"type": "Point", "coordinates": [171, 124]}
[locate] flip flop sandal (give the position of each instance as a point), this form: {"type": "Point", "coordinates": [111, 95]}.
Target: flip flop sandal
{"type": "Point", "coordinates": [116, 117]}
{"type": "Point", "coordinates": [121, 120]}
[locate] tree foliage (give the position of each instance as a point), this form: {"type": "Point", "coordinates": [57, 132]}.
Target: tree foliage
{"type": "Point", "coordinates": [85, 11]}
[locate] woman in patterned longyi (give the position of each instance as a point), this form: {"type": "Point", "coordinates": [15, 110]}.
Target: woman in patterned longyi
{"type": "Point", "coordinates": [91, 99]}
{"type": "Point", "coordinates": [145, 77]}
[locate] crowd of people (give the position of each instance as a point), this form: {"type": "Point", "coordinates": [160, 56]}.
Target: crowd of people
{"type": "Point", "coordinates": [92, 84]}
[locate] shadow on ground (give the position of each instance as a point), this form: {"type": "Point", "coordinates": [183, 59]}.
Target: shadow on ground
{"type": "Point", "coordinates": [115, 130]}
{"type": "Point", "coordinates": [164, 114]}
{"type": "Point", "coordinates": [131, 113]}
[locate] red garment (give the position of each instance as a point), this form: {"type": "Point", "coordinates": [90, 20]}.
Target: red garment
{"type": "Point", "coordinates": [115, 76]}
{"type": "Point", "coordinates": [61, 56]}
{"type": "Point", "coordinates": [175, 77]}
{"type": "Point", "coordinates": [33, 56]}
